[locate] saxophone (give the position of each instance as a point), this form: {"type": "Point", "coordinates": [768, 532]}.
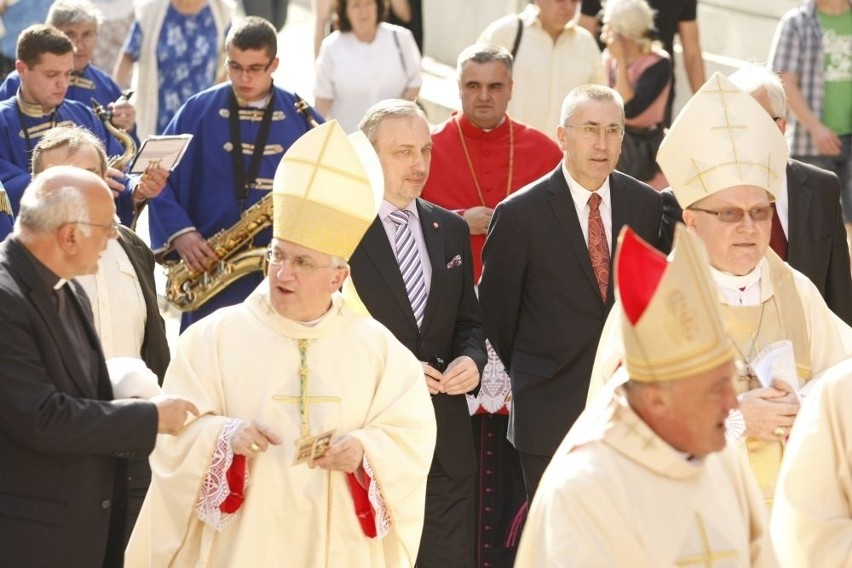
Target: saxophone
{"type": "Point", "coordinates": [119, 162]}
{"type": "Point", "coordinates": [188, 289]}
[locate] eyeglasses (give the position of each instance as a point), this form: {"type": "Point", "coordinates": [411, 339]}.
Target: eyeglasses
{"type": "Point", "coordinates": [591, 131]}
{"type": "Point", "coordinates": [111, 229]}
{"type": "Point", "coordinates": [251, 70]}
{"type": "Point", "coordinates": [298, 264]}
{"type": "Point", "coordinates": [736, 214]}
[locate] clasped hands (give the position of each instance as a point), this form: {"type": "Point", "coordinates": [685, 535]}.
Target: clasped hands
{"type": "Point", "coordinates": [768, 411]}
{"type": "Point", "coordinates": [460, 377]}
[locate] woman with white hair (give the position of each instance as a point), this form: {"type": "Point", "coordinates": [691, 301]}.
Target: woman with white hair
{"type": "Point", "coordinates": [640, 70]}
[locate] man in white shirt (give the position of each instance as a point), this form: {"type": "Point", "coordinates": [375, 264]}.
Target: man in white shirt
{"type": "Point", "coordinates": [552, 55]}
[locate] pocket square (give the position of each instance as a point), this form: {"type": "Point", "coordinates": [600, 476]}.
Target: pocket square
{"type": "Point", "coordinates": [456, 261]}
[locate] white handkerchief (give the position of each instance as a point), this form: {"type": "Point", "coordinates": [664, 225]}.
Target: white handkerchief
{"type": "Point", "coordinates": [131, 378]}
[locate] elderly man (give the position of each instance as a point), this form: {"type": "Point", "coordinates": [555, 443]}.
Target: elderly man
{"type": "Point", "coordinates": [45, 64]}
{"type": "Point", "coordinates": [546, 287]}
{"type": "Point", "coordinates": [79, 20]}
{"type": "Point", "coordinates": [63, 436]}
{"type": "Point", "coordinates": [122, 292]}
{"type": "Point", "coordinates": [502, 155]}
{"type": "Point", "coordinates": [725, 159]}
{"type": "Point", "coordinates": [317, 430]}
{"type": "Point", "coordinates": [552, 56]}
{"type": "Point", "coordinates": [807, 227]}
{"type": "Point", "coordinates": [241, 130]}
{"type": "Point", "coordinates": [644, 478]}
{"type": "Point", "coordinates": [414, 273]}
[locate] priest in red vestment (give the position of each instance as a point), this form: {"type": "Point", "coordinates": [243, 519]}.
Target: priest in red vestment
{"type": "Point", "coordinates": [479, 156]}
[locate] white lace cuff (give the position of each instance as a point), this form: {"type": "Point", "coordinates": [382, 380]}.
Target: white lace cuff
{"type": "Point", "coordinates": [377, 502]}
{"type": "Point", "coordinates": [214, 488]}
{"type": "Point", "coordinates": [735, 425]}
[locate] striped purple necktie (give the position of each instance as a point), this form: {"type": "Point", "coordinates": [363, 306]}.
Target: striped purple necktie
{"type": "Point", "coordinates": [408, 258]}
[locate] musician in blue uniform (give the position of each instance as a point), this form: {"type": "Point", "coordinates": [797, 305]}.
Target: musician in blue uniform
{"type": "Point", "coordinates": [79, 20]}
{"type": "Point", "coordinates": [212, 186]}
{"type": "Point", "coordinates": [45, 63]}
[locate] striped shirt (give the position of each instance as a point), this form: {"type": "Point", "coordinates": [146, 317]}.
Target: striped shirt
{"type": "Point", "coordinates": [797, 48]}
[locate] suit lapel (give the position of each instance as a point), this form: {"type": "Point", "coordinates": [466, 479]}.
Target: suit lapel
{"type": "Point", "coordinates": [43, 302]}
{"type": "Point", "coordinates": [380, 252]}
{"type": "Point", "coordinates": [433, 236]}
{"type": "Point", "coordinates": [619, 198]}
{"type": "Point", "coordinates": [799, 196]}
{"type": "Point", "coordinates": [566, 214]}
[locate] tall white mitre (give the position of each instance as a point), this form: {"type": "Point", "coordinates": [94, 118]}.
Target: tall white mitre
{"type": "Point", "coordinates": [327, 190]}
{"type": "Point", "coordinates": [722, 138]}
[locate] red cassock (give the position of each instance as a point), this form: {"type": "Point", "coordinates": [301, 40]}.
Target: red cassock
{"type": "Point", "coordinates": [474, 170]}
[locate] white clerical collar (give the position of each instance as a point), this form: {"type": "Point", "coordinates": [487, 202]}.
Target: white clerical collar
{"type": "Point", "coordinates": [315, 322]}
{"type": "Point", "coordinates": [739, 290]}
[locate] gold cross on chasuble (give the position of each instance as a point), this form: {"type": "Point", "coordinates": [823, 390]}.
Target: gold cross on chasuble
{"type": "Point", "coordinates": [308, 447]}
{"type": "Point", "coordinates": [706, 557]}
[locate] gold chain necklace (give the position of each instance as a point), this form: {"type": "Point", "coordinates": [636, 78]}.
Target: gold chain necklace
{"type": "Point", "coordinates": [749, 374]}
{"type": "Point", "coordinates": [470, 163]}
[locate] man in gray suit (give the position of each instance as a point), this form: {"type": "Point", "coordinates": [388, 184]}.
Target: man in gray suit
{"type": "Point", "coordinates": [63, 437]}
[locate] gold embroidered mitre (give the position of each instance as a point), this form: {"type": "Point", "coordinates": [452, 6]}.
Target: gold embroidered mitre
{"type": "Point", "coordinates": [722, 138]}
{"type": "Point", "coordinates": [670, 322]}
{"type": "Point", "coordinates": [327, 190]}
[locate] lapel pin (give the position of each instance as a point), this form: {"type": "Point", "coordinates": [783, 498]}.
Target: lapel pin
{"type": "Point", "coordinates": [435, 224]}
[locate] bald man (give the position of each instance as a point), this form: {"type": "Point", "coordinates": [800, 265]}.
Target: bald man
{"type": "Point", "coordinates": [63, 436]}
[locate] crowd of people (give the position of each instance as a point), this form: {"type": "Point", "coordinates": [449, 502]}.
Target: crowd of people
{"type": "Point", "coordinates": [563, 327]}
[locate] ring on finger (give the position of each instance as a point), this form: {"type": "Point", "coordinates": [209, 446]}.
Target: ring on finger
{"type": "Point", "coordinates": [781, 432]}
{"type": "Point", "coordinates": [254, 447]}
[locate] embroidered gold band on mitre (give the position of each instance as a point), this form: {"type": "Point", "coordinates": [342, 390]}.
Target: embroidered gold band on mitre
{"type": "Point", "coordinates": [327, 190]}
{"type": "Point", "coordinates": [680, 333]}
{"type": "Point", "coordinates": [722, 138]}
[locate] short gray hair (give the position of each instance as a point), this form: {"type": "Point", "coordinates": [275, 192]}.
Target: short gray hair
{"type": "Point", "coordinates": [388, 108]}
{"type": "Point", "coordinates": [584, 93]}
{"type": "Point", "coordinates": [753, 78]}
{"type": "Point", "coordinates": [483, 53]}
{"type": "Point", "coordinates": [47, 205]}
{"type": "Point", "coordinates": [69, 12]}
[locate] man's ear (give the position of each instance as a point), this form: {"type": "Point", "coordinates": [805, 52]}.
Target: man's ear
{"type": "Point", "coordinates": [689, 218]}
{"type": "Point", "coordinates": [68, 238]}
{"type": "Point", "coordinates": [340, 276]}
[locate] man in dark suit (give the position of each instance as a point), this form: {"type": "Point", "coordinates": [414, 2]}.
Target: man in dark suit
{"type": "Point", "coordinates": [430, 306]}
{"type": "Point", "coordinates": [809, 233]}
{"type": "Point", "coordinates": [122, 292]}
{"type": "Point", "coordinates": [546, 286]}
{"type": "Point", "coordinates": [63, 437]}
